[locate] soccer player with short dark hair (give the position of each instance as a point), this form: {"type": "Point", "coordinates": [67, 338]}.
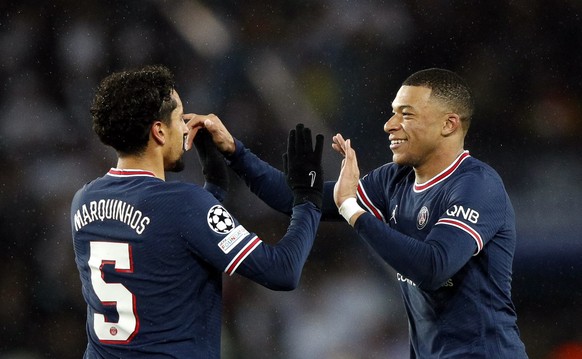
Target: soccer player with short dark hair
{"type": "Point", "coordinates": [151, 252]}
{"type": "Point", "coordinates": [440, 217]}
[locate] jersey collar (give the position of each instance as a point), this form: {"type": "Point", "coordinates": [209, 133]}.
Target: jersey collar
{"type": "Point", "coordinates": [117, 172]}
{"type": "Point", "coordinates": [443, 175]}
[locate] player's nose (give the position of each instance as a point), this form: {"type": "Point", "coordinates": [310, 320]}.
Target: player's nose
{"type": "Point", "coordinates": [392, 124]}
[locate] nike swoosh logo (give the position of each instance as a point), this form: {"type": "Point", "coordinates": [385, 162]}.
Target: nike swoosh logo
{"type": "Point", "coordinates": [312, 174]}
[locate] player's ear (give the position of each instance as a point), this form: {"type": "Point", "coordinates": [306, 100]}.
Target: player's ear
{"type": "Point", "coordinates": [451, 124]}
{"type": "Point", "coordinates": [157, 132]}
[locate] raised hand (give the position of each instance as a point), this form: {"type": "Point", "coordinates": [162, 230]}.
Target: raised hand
{"type": "Point", "coordinates": [302, 165]}
{"type": "Point", "coordinates": [222, 138]}
{"type": "Point", "coordinates": [212, 161]}
{"type": "Point", "coordinates": [345, 189]}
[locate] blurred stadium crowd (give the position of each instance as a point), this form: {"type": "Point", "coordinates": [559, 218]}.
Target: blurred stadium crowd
{"type": "Point", "coordinates": [263, 66]}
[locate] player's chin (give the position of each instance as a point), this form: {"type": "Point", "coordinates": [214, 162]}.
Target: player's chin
{"type": "Point", "coordinates": [400, 159]}
{"type": "Point", "coordinates": [177, 166]}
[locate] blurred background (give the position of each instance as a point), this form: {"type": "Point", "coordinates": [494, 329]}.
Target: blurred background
{"type": "Point", "coordinates": [262, 66]}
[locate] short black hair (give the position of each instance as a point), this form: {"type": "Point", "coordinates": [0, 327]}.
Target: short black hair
{"type": "Point", "coordinates": [126, 104]}
{"type": "Point", "coordinates": [448, 87]}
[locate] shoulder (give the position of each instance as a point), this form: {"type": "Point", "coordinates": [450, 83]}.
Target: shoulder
{"type": "Point", "coordinates": [479, 171]}
{"type": "Point", "coordinates": [390, 170]}
{"type": "Point", "coordinates": [87, 189]}
{"type": "Point", "coordinates": [181, 191]}
{"type": "Point", "coordinates": [389, 174]}
{"type": "Point", "coordinates": [185, 205]}
{"type": "Point", "coordinates": [171, 188]}
{"type": "Point", "coordinates": [478, 180]}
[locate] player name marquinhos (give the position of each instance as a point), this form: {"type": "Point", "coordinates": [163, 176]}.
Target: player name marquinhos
{"type": "Point", "coordinates": [112, 209]}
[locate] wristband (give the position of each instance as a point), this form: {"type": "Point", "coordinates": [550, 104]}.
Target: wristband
{"type": "Point", "coordinates": [349, 207]}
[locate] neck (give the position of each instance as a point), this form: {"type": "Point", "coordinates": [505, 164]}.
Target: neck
{"type": "Point", "coordinates": [435, 165]}
{"type": "Point", "coordinates": [142, 163]}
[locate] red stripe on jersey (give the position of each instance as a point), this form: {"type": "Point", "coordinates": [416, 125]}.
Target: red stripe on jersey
{"type": "Point", "coordinates": [129, 173]}
{"type": "Point", "coordinates": [242, 254]}
{"type": "Point", "coordinates": [456, 223]}
{"type": "Point", "coordinates": [368, 204]}
{"type": "Point", "coordinates": [443, 175]}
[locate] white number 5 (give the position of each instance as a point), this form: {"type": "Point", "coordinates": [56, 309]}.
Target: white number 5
{"type": "Point", "coordinates": [113, 294]}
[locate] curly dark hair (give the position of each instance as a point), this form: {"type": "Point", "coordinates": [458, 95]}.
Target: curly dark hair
{"type": "Point", "coordinates": [449, 88]}
{"type": "Point", "coordinates": [128, 102]}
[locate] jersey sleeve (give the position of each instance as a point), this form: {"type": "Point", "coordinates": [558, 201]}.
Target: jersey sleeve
{"type": "Point", "coordinates": [219, 239]}
{"type": "Point", "coordinates": [265, 181]}
{"type": "Point", "coordinates": [270, 184]}
{"type": "Point", "coordinates": [279, 266]}
{"type": "Point", "coordinates": [429, 264]}
{"type": "Point", "coordinates": [475, 211]}
{"type": "Point", "coordinates": [371, 191]}
{"type": "Point", "coordinates": [478, 207]}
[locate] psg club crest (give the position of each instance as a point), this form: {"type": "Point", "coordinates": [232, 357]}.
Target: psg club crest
{"type": "Point", "coordinates": [422, 218]}
{"type": "Point", "coordinates": [219, 220]}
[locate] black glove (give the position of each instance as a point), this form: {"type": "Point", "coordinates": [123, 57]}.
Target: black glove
{"type": "Point", "coordinates": [212, 161]}
{"type": "Point", "coordinates": [302, 166]}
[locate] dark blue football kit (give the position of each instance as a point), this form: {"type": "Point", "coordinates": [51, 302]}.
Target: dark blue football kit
{"type": "Point", "coordinates": [451, 241]}
{"type": "Point", "coordinates": [151, 255]}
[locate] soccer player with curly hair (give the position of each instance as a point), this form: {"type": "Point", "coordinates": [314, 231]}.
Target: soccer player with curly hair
{"type": "Point", "coordinates": [151, 252]}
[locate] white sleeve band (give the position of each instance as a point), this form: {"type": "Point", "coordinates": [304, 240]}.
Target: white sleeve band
{"type": "Point", "coordinates": [349, 207]}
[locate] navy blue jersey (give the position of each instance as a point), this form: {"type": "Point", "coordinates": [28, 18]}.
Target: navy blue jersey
{"type": "Point", "coordinates": [457, 286]}
{"type": "Point", "coordinates": [151, 256]}
{"type": "Point", "coordinates": [451, 241]}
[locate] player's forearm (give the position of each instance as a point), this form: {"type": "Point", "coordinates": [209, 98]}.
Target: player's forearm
{"type": "Point", "coordinates": [281, 264]}
{"type": "Point", "coordinates": [270, 185]}
{"type": "Point", "coordinates": [329, 211]}
{"type": "Point", "coordinates": [426, 264]}
{"type": "Point", "coordinates": [265, 181]}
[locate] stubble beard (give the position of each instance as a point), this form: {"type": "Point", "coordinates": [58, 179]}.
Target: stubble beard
{"type": "Point", "coordinates": [177, 166]}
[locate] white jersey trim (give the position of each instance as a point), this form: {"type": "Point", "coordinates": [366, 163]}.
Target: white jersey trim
{"type": "Point", "coordinates": [118, 172]}
{"type": "Point", "coordinates": [446, 173]}
{"type": "Point", "coordinates": [461, 225]}
{"type": "Point", "coordinates": [367, 203]}
{"type": "Point", "coordinates": [242, 254]}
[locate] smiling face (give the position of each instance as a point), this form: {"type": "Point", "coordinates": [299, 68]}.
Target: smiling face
{"type": "Point", "coordinates": [418, 127]}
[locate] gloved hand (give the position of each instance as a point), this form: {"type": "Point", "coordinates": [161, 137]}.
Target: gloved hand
{"type": "Point", "coordinates": [302, 165]}
{"type": "Point", "coordinates": [212, 161]}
